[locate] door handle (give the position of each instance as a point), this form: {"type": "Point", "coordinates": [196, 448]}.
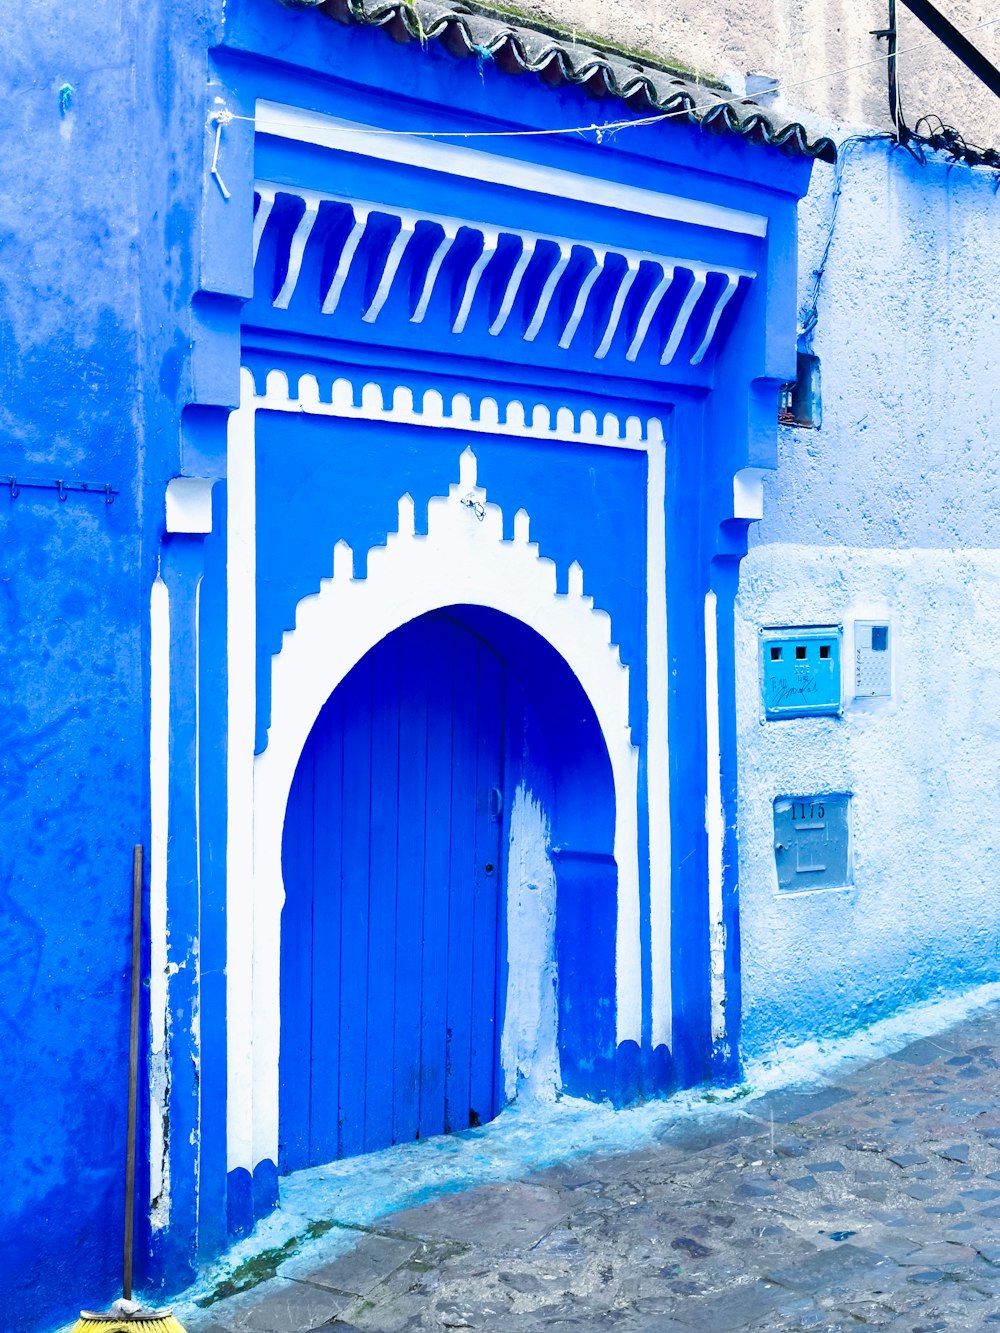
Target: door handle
{"type": "Point", "coordinates": [496, 802]}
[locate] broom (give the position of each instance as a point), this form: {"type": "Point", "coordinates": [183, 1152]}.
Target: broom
{"type": "Point", "coordinates": [127, 1315]}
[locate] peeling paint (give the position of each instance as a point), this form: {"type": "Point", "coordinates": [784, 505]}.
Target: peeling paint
{"type": "Point", "coordinates": [529, 1051]}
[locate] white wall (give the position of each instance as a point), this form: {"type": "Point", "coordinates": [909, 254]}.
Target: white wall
{"type": "Point", "coordinates": [892, 504]}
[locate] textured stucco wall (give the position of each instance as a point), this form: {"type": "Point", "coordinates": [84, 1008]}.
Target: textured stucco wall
{"type": "Point", "coordinates": [827, 63]}
{"type": "Point", "coordinates": [891, 505]}
{"type": "Point", "coordinates": [95, 275]}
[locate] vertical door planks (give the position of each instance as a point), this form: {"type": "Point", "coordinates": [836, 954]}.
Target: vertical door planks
{"type": "Point", "coordinates": [328, 815]}
{"type": "Point", "coordinates": [391, 930]}
{"type": "Point", "coordinates": [414, 669]}
{"type": "Point", "coordinates": [386, 818]}
{"type": "Point", "coordinates": [355, 874]}
{"type": "Point", "coordinates": [437, 869]}
{"type": "Point", "coordinates": [296, 973]}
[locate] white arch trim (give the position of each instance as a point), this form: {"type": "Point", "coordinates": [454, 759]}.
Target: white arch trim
{"type": "Point", "coordinates": [245, 1145]}
{"type": "Point", "coordinates": [462, 558]}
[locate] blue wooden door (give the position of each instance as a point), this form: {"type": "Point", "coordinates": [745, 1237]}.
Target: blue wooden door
{"type": "Point", "coordinates": [391, 995]}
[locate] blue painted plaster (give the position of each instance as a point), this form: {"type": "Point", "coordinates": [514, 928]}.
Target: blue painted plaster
{"type": "Point", "coordinates": [94, 290]}
{"type": "Point", "coordinates": [126, 269]}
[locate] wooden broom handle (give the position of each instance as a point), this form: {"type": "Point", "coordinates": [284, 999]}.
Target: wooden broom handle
{"type": "Point", "coordinates": [133, 1070]}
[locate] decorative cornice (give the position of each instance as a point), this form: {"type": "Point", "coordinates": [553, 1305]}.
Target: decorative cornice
{"type": "Point", "coordinates": [534, 274]}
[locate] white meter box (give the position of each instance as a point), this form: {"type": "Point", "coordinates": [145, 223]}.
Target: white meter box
{"type": "Point", "coordinates": [872, 660]}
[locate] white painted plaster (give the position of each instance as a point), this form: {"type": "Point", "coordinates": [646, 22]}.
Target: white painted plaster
{"type": "Point", "coordinates": [548, 291]}
{"type": "Point", "coordinates": [461, 559]}
{"type": "Point", "coordinates": [715, 823]}
{"type": "Point", "coordinates": [725, 296]}
{"type": "Point", "coordinates": [748, 493]}
{"type": "Point", "coordinates": [491, 238]}
{"type": "Point", "coordinates": [657, 747]}
{"type": "Point", "coordinates": [448, 233]}
{"type": "Point", "coordinates": [490, 168]}
{"type": "Point", "coordinates": [392, 262]}
{"type": "Point", "coordinates": [189, 504]}
{"type": "Point", "coordinates": [514, 285]}
{"type": "Point", "coordinates": [296, 252]}
{"type": "Point", "coordinates": [267, 195]}
{"type": "Point", "coordinates": [923, 914]}
{"type": "Point", "coordinates": [683, 319]}
{"type": "Point", "coordinates": [159, 792]}
{"type": "Point", "coordinates": [649, 310]}
{"type": "Point", "coordinates": [888, 511]}
{"type": "Point", "coordinates": [367, 402]}
{"type": "Point", "coordinates": [194, 960]}
{"type": "Point", "coordinates": [529, 1052]}
{"type": "Point", "coordinates": [573, 323]}
{"type": "Point", "coordinates": [241, 556]}
{"type": "Point", "coordinates": [618, 305]}
{"type": "Point", "coordinates": [361, 215]}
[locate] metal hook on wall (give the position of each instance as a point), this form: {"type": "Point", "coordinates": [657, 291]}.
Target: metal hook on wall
{"type": "Point", "coordinates": [61, 487]}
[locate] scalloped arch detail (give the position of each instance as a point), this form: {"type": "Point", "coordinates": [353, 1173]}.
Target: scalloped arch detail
{"type": "Point", "coordinates": [462, 558]}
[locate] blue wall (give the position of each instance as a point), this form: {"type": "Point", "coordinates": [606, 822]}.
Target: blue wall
{"type": "Point", "coordinates": [95, 285]}
{"type": "Point", "coordinates": [124, 270]}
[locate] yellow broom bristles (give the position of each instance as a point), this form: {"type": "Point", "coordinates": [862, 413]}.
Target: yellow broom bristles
{"type": "Point", "coordinates": [108, 1323]}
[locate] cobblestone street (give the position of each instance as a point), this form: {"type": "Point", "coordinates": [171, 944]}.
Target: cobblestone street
{"type": "Point", "coordinates": [871, 1202]}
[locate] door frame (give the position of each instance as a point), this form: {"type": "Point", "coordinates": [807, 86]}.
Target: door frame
{"type": "Point", "coordinates": [462, 559]}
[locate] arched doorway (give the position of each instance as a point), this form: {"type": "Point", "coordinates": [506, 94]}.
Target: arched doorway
{"type": "Point", "coordinates": [397, 970]}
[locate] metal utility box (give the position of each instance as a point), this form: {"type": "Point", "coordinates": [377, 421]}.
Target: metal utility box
{"type": "Point", "coordinates": [800, 670]}
{"type": "Point", "coordinates": [812, 842]}
{"type": "Point", "coordinates": [872, 660]}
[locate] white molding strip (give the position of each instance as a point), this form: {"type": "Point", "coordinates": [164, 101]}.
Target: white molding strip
{"type": "Point", "coordinates": [657, 746]}
{"type": "Point", "coordinates": [715, 823]}
{"type": "Point", "coordinates": [159, 812]}
{"type": "Point", "coordinates": [290, 122]}
{"type": "Point", "coordinates": [367, 402]}
{"type": "Point", "coordinates": [241, 649]}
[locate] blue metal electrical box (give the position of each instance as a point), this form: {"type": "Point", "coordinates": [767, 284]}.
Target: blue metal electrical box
{"type": "Point", "coordinates": [812, 842]}
{"type": "Point", "coordinates": [800, 670]}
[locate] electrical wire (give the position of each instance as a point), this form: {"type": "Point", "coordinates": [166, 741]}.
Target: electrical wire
{"type": "Point", "coordinates": [930, 131]}
{"type": "Point", "coordinates": [809, 314]}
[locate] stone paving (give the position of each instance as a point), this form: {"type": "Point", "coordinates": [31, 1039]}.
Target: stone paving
{"type": "Point", "coordinates": [872, 1203]}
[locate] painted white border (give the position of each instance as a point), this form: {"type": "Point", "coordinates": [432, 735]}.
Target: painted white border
{"type": "Point", "coordinates": [159, 812]}
{"type": "Point", "coordinates": [241, 648]}
{"type": "Point", "coordinates": [657, 752]}
{"type": "Point", "coordinates": [463, 558]}
{"type": "Point", "coordinates": [367, 402]}
{"type": "Point", "coordinates": [715, 822]}
{"type": "Point", "coordinates": [290, 122]}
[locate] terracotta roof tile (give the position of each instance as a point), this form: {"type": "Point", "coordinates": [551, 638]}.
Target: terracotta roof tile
{"type": "Point", "coordinates": [517, 48]}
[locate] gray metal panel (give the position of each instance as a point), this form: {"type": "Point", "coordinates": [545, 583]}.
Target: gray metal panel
{"type": "Point", "coordinates": [812, 842]}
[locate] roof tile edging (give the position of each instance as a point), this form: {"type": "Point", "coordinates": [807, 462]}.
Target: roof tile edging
{"type": "Point", "coordinates": [521, 49]}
